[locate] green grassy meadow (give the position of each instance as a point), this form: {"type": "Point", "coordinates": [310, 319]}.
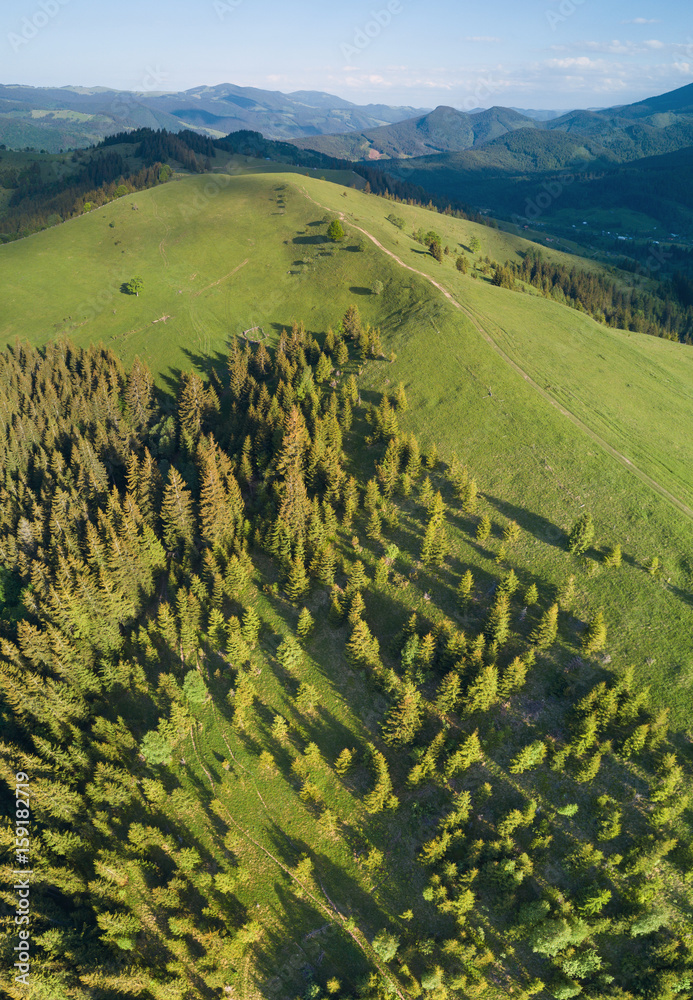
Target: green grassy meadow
{"type": "Point", "coordinates": [223, 253]}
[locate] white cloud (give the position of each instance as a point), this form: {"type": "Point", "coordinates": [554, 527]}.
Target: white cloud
{"type": "Point", "coordinates": [482, 38]}
{"type": "Point", "coordinates": [577, 62]}
{"type": "Point", "coordinates": [643, 20]}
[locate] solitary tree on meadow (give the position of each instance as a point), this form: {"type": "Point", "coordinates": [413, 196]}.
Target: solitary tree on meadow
{"type": "Point", "coordinates": [134, 286]}
{"type": "Point", "coordinates": [336, 231]}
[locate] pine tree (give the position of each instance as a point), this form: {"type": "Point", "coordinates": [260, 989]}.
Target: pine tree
{"type": "Point", "coordinates": [511, 532]}
{"type": "Point", "coordinates": [464, 588]}
{"type": "Point", "coordinates": [514, 677]}
{"type": "Point", "coordinates": [546, 631]}
{"type": "Point", "coordinates": [498, 625]}
{"type": "Point", "coordinates": [324, 369]}
{"type": "Point", "coordinates": [139, 394]}
{"type": "Point", "coordinates": [382, 796]}
{"type": "Point", "coordinates": [356, 608]}
{"type": "Point", "coordinates": [357, 578]}
{"type": "Point", "coordinates": [404, 719]}
{"type": "Point", "coordinates": [221, 504]}
{"type": "Point", "coordinates": [434, 549]}
{"type": "Point", "coordinates": [305, 624]}
{"type": "Point", "coordinates": [336, 611]}
{"type": "Point", "coordinates": [595, 637]}
{"type": "Point", "coordinates": [297, 582]}
{"type": "Point", "coordinates": [469, 497]}
{"type": "Point", "coordinates": [344, 761]}
{"type": "Point", "coordinates": [613, 557]}
{"type": "Point", "coordinates": [531, 595]}
{"type": "Point", "coordinates": [350, 501]}
{"type": "Point", "coordinates": [469, 752]}
{"type": "Point", "coordinates": [372, 499]}
{"type": "Point", "coordinates": [192, 407]}
{"type": "Point", "coordinates": [290, 654]}
{"type": "Point", "coordinates": [374, 528]}
{"type": "Point", "coordinates": [177, 512]}
{"type": "Point", "coordinates": [509, 584]}
{"type": "Point", "coordinates": [590, 770]}
{"type": "Point", "coordinates": [635, 743]}
{"type": "Point", "coordinates": [531, 756]}
{"type": "Point", "coordinates": [252, 623]}
{"type": "Point", "coordinates": [483, 692]}
{"type": "Point", "coordinates": [236, 647]}
{"type": "Point", "coordinates": [426, 494]}
{"type": "Point", "coordinates": [581, 535]}
{"type": "Point", "coordinates": [483, 528]}
{"type": "Point", "coordinates": [363, 648]}
{"type": "Point", "coordinates": [449, 693]}
{"type": "Point", "coordinates": [401, 398]}
{"type": "Point", "coordinates": [388, 470]}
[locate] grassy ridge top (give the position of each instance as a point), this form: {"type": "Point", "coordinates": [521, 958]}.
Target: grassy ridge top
{"type": "Point", "coordinates": [219, 255]}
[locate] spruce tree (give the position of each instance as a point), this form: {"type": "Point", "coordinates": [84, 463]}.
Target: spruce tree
{"type": "Point", "coordinates": [613, 557]}
{"type": "Point", "coordinates": [531, 756]}
{"type": "Point", "coordinates": [464, 588]}
{"type": "Point", "coordinates": [177, 512]}
{"type": "Point", "coordinates": [483, 528]}
{"type": "Point", "coordinates": [469, 497]}
{"type": "Point", "coordinates": [546, 631]}
{"type": "Point", "coordinates": [581, 535]}
{"type": "Point", "coordinates": [426, 494]}
{"type": "Point", "coordinates": [449, 693]}
{"type": "Point", "coordinates": [511, 532]}
{"type": "Point", "coordinates": [498, 625]}
{"type": "Point", "coordinates": [252, 624]}
{"type": "Point", "coordinates": [483, 692]}
{"type": "Point", "coordinates": [305, 624]}
{"type": "Point", "coordinates": [595, 637]}
{"type": "Point", "coordinates": [404, 719]}
{"type": "Point", "coordinates": [435, 544]}
{"type": "Point", "coordinates": [297, 582]}
{"type": "Point", "coordinates": [513, 678]}
{"type": "Point", "coordinates": [363, 648]}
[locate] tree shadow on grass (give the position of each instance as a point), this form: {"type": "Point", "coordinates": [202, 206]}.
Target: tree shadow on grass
{"type": "Point", "coordinates": [316, 240]}
{"type": "Point", "coordinates": [315, 947]}
{"type": "Point", "coordinates": [357, 290]}
{"type": "Point", "coordinates": [531, 522]}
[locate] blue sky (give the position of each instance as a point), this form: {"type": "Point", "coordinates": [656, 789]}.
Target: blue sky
{"type": "Point", "coordinates": [523, 53]}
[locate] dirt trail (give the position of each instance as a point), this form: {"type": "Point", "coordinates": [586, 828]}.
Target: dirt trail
{"type": "Point", "coordinates": [626, 462]}
{"type": "Point", "coordinates": [215, 283]}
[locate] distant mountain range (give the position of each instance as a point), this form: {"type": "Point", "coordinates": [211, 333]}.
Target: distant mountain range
{"type": "Point", "coordinates": [58, 118]}
{"type": "Point", "coordinates": [658, 125]}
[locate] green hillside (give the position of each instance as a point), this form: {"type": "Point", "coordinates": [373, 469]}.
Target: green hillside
{"type": "Point", "coordinates": [321, 684]}
{"type": "Point", "coordinates": [221, 255]}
